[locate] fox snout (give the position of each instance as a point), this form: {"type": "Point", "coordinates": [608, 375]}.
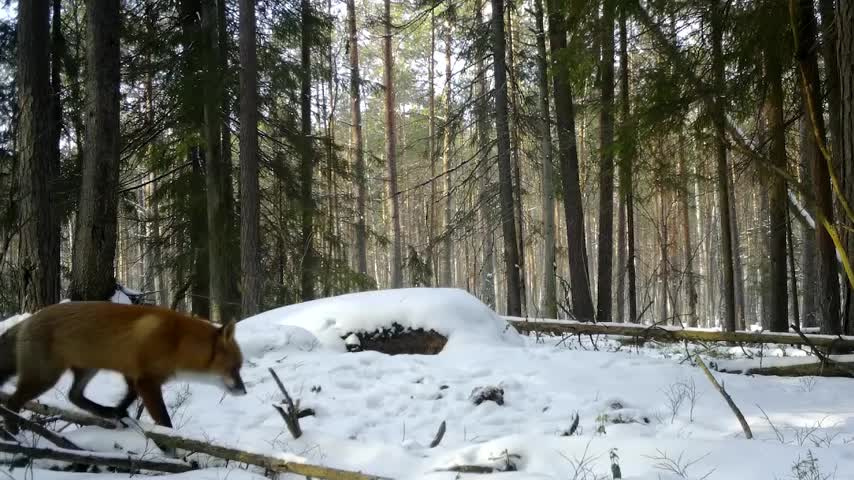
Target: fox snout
{"type": "Point", "coordinates": [234, 384]}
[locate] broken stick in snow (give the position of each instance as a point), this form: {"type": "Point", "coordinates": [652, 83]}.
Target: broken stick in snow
{"type": "Point", "coordinates": [292, 415]}
{"type": "Point", "coordinates": [439, 434]}
{"type": "Point", "coordinates": [125, 462]}
{"type": "Point", "coordinates": [729, 401]}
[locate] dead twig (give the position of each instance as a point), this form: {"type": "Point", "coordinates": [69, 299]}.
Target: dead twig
{"type": "Point", "coordinates": [729, 401]}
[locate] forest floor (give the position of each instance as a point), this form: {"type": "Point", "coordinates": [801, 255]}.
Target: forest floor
{"type": "Point", "coordinates": [648, 409]}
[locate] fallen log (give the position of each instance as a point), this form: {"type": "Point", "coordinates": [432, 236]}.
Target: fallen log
{"type": "Point", "coordinates": [666, 332]}
{"type": "Point", "coordinates": [811, 369]}
{"type": "Point", "coordinates": [125, 462]}
{"type": "Point", "coordinates": [166, 437]}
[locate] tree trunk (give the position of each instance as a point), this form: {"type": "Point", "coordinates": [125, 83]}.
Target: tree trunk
{"type": "Point", "coordinates": [513, 119]}
{"type": "Point", "coordinates": [685, 206]}
{"type": "Point", "coordinates": [627, 152]}
{"type": "Point", "coordinates": [431, 147]}
{"type": "Point", "coordinates": [719, 123]}
{"type": "Point", "coordinates": [357, 140]}
{"type": "Point", "coordinates": [778, 213]}
{"type": "Point", "coordinates": [829, 36]}
{"type": "Point", "coordinates": [487, 216]}
{"type": "Point", "coordinates": [567, 148]}
{"type": "Point", "coordinates": [38, 153]}
{"type": "Point", "coordinates": [606, 166]}
{"type": "Point", "coordinates": [391, 149]}
{"type": "Point", "coordinates": [214, 169]}
{"type": "Point", "coordinates": [250, 255]}
{"type": "Point", "coordinates": [549, 292]}
{"type": "Point", "coordinates": [845, 156]}
{"type": "Point", "coordinates": [827, 285]}
{"type": "Point", "coordinates": [737, 264]}
{"type": "Point", "coordinates": [92, 274]}
{"type": "Point", "coordinates": [447, 270]}
{"type": "Point", "coordinates": [809, 315]}
{"type": "Point", "coordinates": [57, 51]}
{"type": "Point", "coordinates": [505, 173]}
{"type": "Point", "coordinates": [308, 273]}
{"type": "Point", "coordinates": [230, 229]}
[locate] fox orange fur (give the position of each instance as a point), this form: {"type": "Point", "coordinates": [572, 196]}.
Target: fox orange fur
{"type": "Point", "coordinates": [148, 345]}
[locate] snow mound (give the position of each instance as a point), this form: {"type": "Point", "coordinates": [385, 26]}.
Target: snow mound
{"type": "Point", "coordinates": [259, 337]}
{"type": "Point", "coordinates": [451, 312]}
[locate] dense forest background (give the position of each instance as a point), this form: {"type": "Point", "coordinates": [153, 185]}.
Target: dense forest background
{"type": "Point", "coordinates": [683, 161]}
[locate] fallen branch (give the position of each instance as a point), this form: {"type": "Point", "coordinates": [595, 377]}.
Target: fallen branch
{"type": "Point", "coordinates": [292, 415]}
{"type": "Point", "coordinates": [41, 430]}
{"type": "Point", "coordinates": [164, 436]}
{"type": "Point", "coordinates": [671, 333]}
{"type": "Point", "coordinates": [729, 401]}
{"type": "Point", "coordinates": [125, 462]}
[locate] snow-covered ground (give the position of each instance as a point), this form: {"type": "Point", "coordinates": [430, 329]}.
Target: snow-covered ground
{"type": "Point", "coordinates": [376, 413]}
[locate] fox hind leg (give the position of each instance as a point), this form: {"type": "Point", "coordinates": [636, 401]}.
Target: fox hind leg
{"type": "Point", "coordinates": [127, 400]}
{"type": "Point", "coordinates": [82, 377]}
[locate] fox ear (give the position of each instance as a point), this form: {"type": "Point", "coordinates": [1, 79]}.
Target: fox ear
{"type": "Point", "coordinates": [226, 332]}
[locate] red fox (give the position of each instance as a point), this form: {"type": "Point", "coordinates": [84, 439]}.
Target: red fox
{"type": "Point", "coordinates": [148, 345]}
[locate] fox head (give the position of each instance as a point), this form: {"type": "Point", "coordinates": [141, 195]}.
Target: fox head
{"type": "Point", "coordinates": [227, 360]}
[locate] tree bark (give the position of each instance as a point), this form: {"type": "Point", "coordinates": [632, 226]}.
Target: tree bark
{"type": "Point", "coordinates": [391, 149]}
{"type": "Point", "coordinates": [627, 152]}
{"type": "Point", "coordinates": [565, 111]}
{"type": "Point", "coordinates": [357, 140]}
{"type": "Point", "coordinates": [719, 125]}
{"type": "Point", "coordinates": [250, 256]}
{"type": "Point", "coordinates": [505, 173]}
{"type": "Point", "coordinates": [845, 55]}
{"type": "Point", "coordinates": [92, 274]}
{"type": "Point", "coordinates": [606, 166]}
{"type": "Point", "coordinates": [39, 262]}
{"type": "Point", "coordinates": [827, 285]}
{"type": "Point", "coordinates": [779, 302]}
{"type": "Point", "coordinates": [549, 292]}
